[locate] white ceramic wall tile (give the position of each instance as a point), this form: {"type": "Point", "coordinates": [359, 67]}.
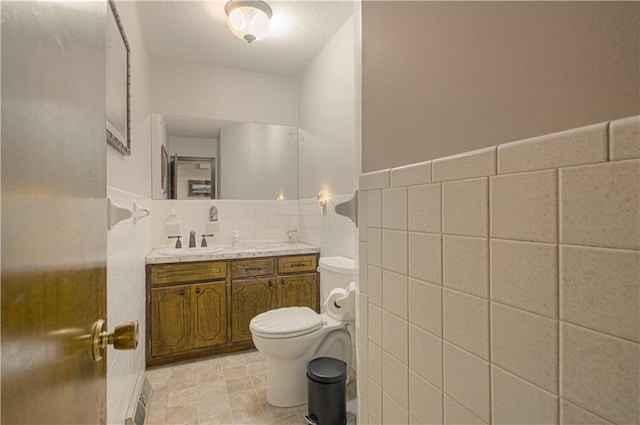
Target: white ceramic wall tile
{"type": "Point", "coordinates": [479, 163]}
{"type": "Point", "coordinates": [374, 247]}
{"type": "Point", "coordinates": [375, 285]}
{"type": "Point", "coordinates": [363, 314]}
{"type": "Point", "coordinates": [394, 251]}
{"type": "Point", "coordinates": [525, 206]}
{"type": "Point", "coordinates": [525, 344]}
{"type": "Point", "coordinates": [375, 180]}
{"type": "Point", "coordinates": [425, 306]}
{"type": "Point", "coordinates": [363, 406]}
{"type": "Point", "coordinates": [394, 208]}
{"type": "Point", "coordinates": [525, 275]}
{"type": "Point", "coordinates": [600, 289]}
{"type": "Point", "coordinates": [375, 403]}
{"type": "Point", "coordinates": [579, 146]}
{"type": "Point", "coordinates": [425, 208]}
{"type": "Point", "coordinates": [466, 322]}
{"type": "Point", "coordinates": [465, 206]}
{"type": "Point", "coordinates": [600, 373]}
{"type": "Point", "coordinates": [425, 355]}
{"type": "Point", "coordinates": [570, 414]}
{"type": "Point", "coordinates": [375, 324]}
{"type": "Point", "coordinates": [518, 402]}
{"type": "Point", "coordinates": [466, 380]}
{"type": "Point", "coordinates": [413, 174]}
{"type": "Point", "coordinates": [362, 215]}
{"type": "Point", "coordinates": [395, 377]}
{"type": "Point", "coordinates": [394, 293]}
{"type": "Point", "coordinates": [456, 414]}
{"type": "Point", "coordinates": [600, 205]}
{"type": "Point", "coordinates": [392, 412]}
{"type": "Point", "coordinates": [425, 257]}
{"type": "Point", "coordinates": [363, 264]}
{"type": "Point", "coordinates": [363, 369]}
{"type": "Point", "coordinates": [466, 264]}
{"type": "Point", "coordinates": [374, 208]}
{"type": "Point", "coordinates": [395, 336]}
{"type": "Point", "coordinates": [624, 138]}
{"type": "Point", "coordinates": [425, 401]}
{"type": "Point", "coordinates": [375, 363]}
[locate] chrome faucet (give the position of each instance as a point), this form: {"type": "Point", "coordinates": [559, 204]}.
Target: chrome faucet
{"type": "Point", "coordinates": [178, 243]}
{"type": "Point", "coordinates": [192, 239]}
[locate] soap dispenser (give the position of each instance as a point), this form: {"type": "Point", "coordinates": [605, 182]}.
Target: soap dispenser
{"type": "Point", "coordinates": [213, 214]}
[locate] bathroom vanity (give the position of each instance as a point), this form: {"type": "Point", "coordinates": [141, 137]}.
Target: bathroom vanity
{"type": "Point", "coordinates": [199, 305]}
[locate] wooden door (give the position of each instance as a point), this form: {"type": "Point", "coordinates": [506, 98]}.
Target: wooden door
{"type": "Point", "coordinates": [298, 290]}
{"type": "Point", "coordinates": [54, 234]}
{"type": "Point", "coordinates": [171, 319]}
{"type": "Point", "coordinates": [209, 314]}
{"type": "Point", "coordinates": [248, 299]}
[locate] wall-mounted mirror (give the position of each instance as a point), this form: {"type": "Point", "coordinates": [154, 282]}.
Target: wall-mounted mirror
{"type": "Point", "coordinates": [199, 158]}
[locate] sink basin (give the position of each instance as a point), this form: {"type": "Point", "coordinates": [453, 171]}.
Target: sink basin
{"type": "Point", "coordinates": [186, 252]}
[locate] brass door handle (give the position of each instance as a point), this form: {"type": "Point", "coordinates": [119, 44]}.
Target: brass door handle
{"type": "Point", "coordinates": [124, 337]}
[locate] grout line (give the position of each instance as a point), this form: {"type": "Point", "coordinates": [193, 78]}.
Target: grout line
{"type": "Point", "coordinates": [442, 359]}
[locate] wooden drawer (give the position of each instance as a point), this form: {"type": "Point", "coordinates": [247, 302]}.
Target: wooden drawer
{"type": "Point", "coordinates": [251, 268]}
{"type": "Point", "coordinates": [163, 274]}
{"type": "Point", "coordinates": [297, 264]}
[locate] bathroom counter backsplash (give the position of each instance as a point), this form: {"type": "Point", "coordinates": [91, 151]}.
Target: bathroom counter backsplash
{"type": "Point", "coordinates": [229, 252]}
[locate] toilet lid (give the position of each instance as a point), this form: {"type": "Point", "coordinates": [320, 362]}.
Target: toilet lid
{"type": "Point", "coordinates": [286, 322]}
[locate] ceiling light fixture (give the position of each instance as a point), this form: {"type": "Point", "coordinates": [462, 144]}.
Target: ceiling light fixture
{"type": "Point", "coordinates": [248, 19]}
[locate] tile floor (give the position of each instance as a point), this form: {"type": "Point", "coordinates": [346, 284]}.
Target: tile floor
{"type": "Point", "coordinates": [227, 389]}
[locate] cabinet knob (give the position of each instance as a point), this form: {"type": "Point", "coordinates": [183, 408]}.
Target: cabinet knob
{"type": "Point", "coordinates": [197, 290]}
{"type": "Point", "coordinates": [282, 281]}
{"type": "Point", "coordinates": [270, 282]}
{"type": "Point", "coordinates": [181, 292]}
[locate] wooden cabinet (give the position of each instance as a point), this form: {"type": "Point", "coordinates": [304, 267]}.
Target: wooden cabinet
{"type": "Point", "coordinates": [248, 299]}
{"type": "Point", "coordinates": [202, 308]}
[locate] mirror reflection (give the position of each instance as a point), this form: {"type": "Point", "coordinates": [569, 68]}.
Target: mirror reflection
{"type": "Point", "coordinates": [199, 158]}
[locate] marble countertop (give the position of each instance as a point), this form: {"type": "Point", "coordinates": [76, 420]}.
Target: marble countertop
{"type": "Point", "coordinates": [236, 252]}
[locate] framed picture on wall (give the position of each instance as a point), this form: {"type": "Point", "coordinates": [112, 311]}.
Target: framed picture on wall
{"type": "Point", "coordinates": [201, 188]}
{"type": "Point", "coordinates": [118, 84]}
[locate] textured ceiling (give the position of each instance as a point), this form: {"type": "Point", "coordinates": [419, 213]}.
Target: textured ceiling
{"type": "Point", "coordinates": [197, 31]}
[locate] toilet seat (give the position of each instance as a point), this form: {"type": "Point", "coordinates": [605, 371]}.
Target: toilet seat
{"type": "Point", "coordinates": [286, 322]}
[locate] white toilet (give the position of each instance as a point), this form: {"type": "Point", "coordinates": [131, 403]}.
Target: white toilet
{"type": "Point", "coordinates": [291, 337]}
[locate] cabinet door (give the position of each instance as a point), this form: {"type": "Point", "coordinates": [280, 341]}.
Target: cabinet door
{"type": "Point", "coordinates": [209, 314]}
{"type": "Point", "coordinates": [299, 290]}
{"type": "Point", "coordinates": [248, 299]}
{"type": "Point", "coordinates": [170, 320]}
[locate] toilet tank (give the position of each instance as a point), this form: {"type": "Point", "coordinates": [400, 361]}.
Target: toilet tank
{"type": "Point", "coordinates": [335, 272]}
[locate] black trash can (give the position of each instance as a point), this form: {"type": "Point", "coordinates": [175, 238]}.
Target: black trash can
{"type": "Point", "coordinates": [327, 383]}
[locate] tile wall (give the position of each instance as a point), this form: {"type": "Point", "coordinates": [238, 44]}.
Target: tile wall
{"type": "Point", "coordinates": [335, 234]}
{"type": "Point", "coordinates": [259, 222]}
{"type": "Point", "coordinates": [255, 221]}
{"type": "Point", "coordinates": [127, 246]}
{"type": "Point", "coordinates": [503, 285]}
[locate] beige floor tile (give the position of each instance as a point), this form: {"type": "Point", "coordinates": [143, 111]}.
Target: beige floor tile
{"type": "Point", "coordinates": [179, 415]}
{"type": "Point", "coordinates": [231, 360]}
{"type": "Point", "coordinates": [235, 372]}
{"type": "Point", "coordinates": [211, 406]}
{"type": "Point", "coordinates": [212, 389]}
{"type": "Point", "coordinates": [185, 380]}
{"type": "Point", "coordinates": [183, 396]}
{"type": "Point", "coordinates": [254, 356]}
{"type": "Point", "coordinates": [243, 399]}
{"type": "Point", "coordinates": [221, 418]}
{"type": "Point", "coordinates": [259, 380]}
{"type": "Point", "coordinates": [249, 415]}
{"type": "Point", "coordinates": [239, 384]}
{"type": "Point", "coordinates": [206, 375]}
{"type": "Point", "coordinates": [156, 417]}
{"type": "Point", "coordinates": [257, 368]}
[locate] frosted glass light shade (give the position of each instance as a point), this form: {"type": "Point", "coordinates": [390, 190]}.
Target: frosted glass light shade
{"type": "Point", "coordinates": [248, 19]}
